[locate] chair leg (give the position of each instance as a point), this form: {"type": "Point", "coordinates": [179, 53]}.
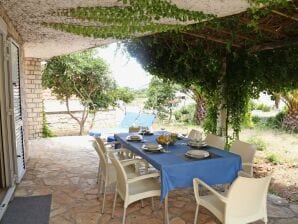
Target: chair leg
{"type": "Point", "coordinates": [98, 174]}
{"type": "Point", "coordinates": [265, 219]}
{"type": "Point", "coordinates": [142, 203]}
{"type": "Point", "coordinates": [196, 215]}
{"type": "Point", "coordinates": [124, 216]}
{"type": "Point", "coordinates": [152, 202]}
{"type": "Point", "coordinates": [114, 203]}
{"type": "Point", "coordinates": [167, 218]}
{"type": "Point", "coordinates": [104, 198]}
{"type": "Point", "coordinates": [102, 184]}
{"type": "Point", "coordinates": [99, 187]}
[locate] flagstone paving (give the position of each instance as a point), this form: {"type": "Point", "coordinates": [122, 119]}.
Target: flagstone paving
{"type": "Point", "coordinates": [66, 167]}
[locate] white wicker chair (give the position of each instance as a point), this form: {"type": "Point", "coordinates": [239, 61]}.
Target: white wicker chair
{"type": "Point", "coordinates": [245, 201]}
{"type": "Point", "coordinates": [247, 153]}
{"type": "Point", "coordinates": [134, 189]}
{"type": "Point", "coordinates": [215, 141]}
{"type": "Point", "coordinates": [107, 173]}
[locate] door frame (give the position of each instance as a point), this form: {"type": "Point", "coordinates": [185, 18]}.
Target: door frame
{"type": "Point", "coordinates": [6, 120]}
{"type": "Point", "coordinates": [18, 176]}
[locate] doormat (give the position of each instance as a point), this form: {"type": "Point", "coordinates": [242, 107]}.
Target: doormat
{"type": "Point", "coordinates": [28, 210]}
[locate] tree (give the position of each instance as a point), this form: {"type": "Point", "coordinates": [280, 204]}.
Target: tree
{"type": "Point", "coordinates": [290, 120]}
{"type": "Point", "coordinates": [161, 97]}
{"type": "Point", "coordinates": [83, 76]}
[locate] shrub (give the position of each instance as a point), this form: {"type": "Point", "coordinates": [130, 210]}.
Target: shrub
{"type": "Point", "coordinates": [185, 114]}
{"type": "Point", "coordinates": [259, 122]}
{"type": "Point", "coordinates": [273, 158]}
{"type": "Point", "coordinates": [46, 132]}
{"type": "Point", "coordinates": [260, 144]}
{"type": "Point", "coordinates": [263, 107]}
{"type": "Point", "coordinates": [276, 122]}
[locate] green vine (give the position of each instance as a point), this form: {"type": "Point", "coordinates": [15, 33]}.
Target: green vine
{"type": "Point", "coordinates": [135, 17]}
{"type": "Point", "coordinates": [46, 131]}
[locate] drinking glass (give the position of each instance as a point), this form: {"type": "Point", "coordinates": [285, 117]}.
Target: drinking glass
{"type": "Point", "coordinates": [167, 141]}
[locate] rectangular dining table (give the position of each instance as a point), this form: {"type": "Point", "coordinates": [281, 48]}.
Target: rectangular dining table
{"type": "Point", "coordinates": [178, 171]}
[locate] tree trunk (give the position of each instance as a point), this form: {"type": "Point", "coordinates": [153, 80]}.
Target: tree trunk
{"type": "Point", "coordinates": [83, 119]}
{"type": "Point", "coordinates": [93, 120]}
{"type": "Point", "coordinates": [200, 112]}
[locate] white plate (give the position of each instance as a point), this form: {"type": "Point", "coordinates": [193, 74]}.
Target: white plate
{"type": "Point", "coordinates": [157, 148]}
{"type": "Point", "coordinates": [134, 137]}
{"type": "Point", "coordinates": [197, 154]}
{"type": "Point", "coordinates": [151, 146]}
{"type": "Point", "coordinates": [197, 144]}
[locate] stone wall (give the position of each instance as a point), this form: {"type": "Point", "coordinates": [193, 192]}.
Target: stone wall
{"type": "Point", "coordinates": [33, 97]}
{"type": "Point", "coordinates": [62, 124]}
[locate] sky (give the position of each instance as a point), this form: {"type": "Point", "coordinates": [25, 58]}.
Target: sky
{"type": "Point", "coordinates": [126, 70]}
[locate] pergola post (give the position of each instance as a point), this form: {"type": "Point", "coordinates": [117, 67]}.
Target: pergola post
{"type": "Point", "coordinates": [222, 117]}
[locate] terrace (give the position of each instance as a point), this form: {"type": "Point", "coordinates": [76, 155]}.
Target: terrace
{"type": "Point", "coordinates": [66, 167]}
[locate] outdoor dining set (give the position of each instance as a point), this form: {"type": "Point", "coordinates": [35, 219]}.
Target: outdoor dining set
{"type": "Point", "coordinates": [152, 164]}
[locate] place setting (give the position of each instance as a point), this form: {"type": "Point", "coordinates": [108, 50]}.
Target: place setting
{"type": "Point", "coordinates": [197, 154]}
{"type": "Point", "coordinates": [135, 138]}
{"type": "Point", "coordinates": [197, 144]}
{"type": "Point", "coordinates": [152, 148]}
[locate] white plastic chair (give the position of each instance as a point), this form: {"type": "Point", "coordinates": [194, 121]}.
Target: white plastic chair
{"type": "Point", "coordinates": [245, 201]}
{"type": "Point", "coordinates": [123, 153]}
{"type": "Point", "coordinates": [195, 135]}
{"type": "Point", "coordinates": [247, 153]}
{"type": "Point", "coordinates": [134, 189]}
{"type": "Point", "coordinates": [107, 173]}
{"type": "Point", "coordinates": [215, 141]}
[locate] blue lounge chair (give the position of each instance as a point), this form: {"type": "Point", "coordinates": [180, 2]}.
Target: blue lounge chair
{"type": "Point", "coordinates": [130, 119]}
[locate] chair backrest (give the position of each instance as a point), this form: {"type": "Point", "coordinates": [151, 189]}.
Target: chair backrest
{"type": "Point", "coordinates": [215, 141]}
{"type": "Point", "coordinates": [245, 150]}
{"type": "Point", "coordinates": [122, 186]}
{"type": "Point", "coordinates": [145, 120]}
{"type": "Point", "coordinates": [247, 196]}
{"type": "Point", "coordinates": [195, 135]}
{"type": "Point", "coordinates": [129, 119]}
{"type": "Point", "coordinates": [101, 144]}
{"type": "Point", "coordinates": [134, 129]}
{"type": "Point", "coordinates": [103, 159]}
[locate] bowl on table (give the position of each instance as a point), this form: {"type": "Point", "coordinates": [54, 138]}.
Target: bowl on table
{"type": "Point", "coordinates": [163, 139]}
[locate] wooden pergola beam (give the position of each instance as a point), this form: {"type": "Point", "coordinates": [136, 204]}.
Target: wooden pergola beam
{"type": "Point", "coordinates": [214, 39]}
{"type": "Point", "coordinates": [263, 28]}
{"type": "Point", "coordinates": [285, 15]}
{"type": "Point", "coordinates": [273, 45]}
{"type": "Point", "coordinates": [230, 33]}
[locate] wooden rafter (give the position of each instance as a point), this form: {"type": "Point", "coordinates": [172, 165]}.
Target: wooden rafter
{"type": "Point", "coordinates": [264, 28]}
{"type": "Point", "coordinates": [230, 33]}
{"type": "Point", "coordinates": [273, 45]}
{"type": "Point", "coordinates": [285, 15]}
{"type": "Point", "coordinates": [214, 39]}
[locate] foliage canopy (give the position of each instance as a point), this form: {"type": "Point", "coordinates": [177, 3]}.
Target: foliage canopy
{"type": "Point", "coordinates": [200, 63]}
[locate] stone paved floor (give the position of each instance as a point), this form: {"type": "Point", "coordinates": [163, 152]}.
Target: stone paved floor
{"type": "Point", "coordinates": [66, 167]}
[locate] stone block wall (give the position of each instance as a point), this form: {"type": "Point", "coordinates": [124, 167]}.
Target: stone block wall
{"type": "Point", "coordinates": [61, 124]}
{"type": "Point", "coordinates": [33, 97]}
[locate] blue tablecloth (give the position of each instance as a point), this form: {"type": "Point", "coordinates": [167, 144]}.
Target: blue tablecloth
{"type": "Point", "coordinates": [177, 171]}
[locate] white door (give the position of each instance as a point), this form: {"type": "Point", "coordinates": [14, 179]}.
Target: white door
{"type": "Point", "coordinates": [17, 106]}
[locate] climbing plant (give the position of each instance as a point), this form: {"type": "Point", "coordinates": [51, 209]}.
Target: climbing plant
{"type": "Point", "coordinates": [133, 18]}
{"type": "Point", "coordinates": [196, 62]}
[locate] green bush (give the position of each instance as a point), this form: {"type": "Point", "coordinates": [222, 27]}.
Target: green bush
{"type": "Point", "coordinates": [260, 144]}
{"type": "Point", "coordinates": [276, 122]}
{"type": "Point", "coordinates": [185, 114]}
{"type": "Point", "coordinates": [273, 158]}
{"type": "Point", "coordinates": [263, 107]}
{"type": "Point", "coordinates": [46, 132]}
